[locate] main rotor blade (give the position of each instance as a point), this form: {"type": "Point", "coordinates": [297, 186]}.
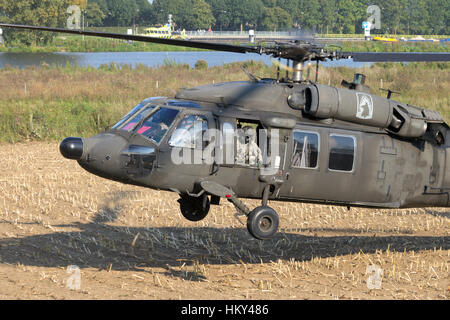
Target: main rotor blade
{"type": "Point", "coordinates": [296, 52]}
{"type": "Point", "coordinates": [399, 56]}
{"type": "Point", "coordinates": [173, 42]}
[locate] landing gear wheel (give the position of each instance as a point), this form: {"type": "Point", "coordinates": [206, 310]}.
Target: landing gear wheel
{"type": "Point", "coordinates": [262, 223]}
{"type": "Point", "coordinates": [194, 209]}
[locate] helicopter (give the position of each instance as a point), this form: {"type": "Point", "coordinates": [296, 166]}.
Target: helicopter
{"type": "Point", "coordinates": [286, 139]}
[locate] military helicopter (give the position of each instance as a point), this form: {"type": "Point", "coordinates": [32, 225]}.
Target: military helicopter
{"type": "Point", "coordinates": [286, 139]}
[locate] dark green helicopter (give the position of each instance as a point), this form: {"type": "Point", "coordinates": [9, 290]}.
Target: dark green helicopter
{"type": "Point", "coordinates": [278, 139]}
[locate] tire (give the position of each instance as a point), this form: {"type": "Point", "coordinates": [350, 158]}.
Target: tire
{"type": "Point", "coordinates": [194, 209]}
{"type": "Point", "coordinates": [262, 223]}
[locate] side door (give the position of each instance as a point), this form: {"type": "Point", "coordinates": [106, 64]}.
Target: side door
{"type": "Point", "coordinates": [237, 160]}
{"type": "Point", "coordinates": [305, 163]}
{"type": "Point", "coordinates": [183, 157]}
{"type": "Point", "coordinates": [324, 165]}
{"type": "Point", "coordinates": [342, 181]}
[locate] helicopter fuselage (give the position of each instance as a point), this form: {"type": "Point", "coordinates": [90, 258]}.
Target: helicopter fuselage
{"type": "Point", "coordinates": [326, 161]}
{"type": "Point", "coordinates": [288, 140]}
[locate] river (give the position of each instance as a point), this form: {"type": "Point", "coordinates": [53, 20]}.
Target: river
{"type": "Point", "coordinates": [150, 59]}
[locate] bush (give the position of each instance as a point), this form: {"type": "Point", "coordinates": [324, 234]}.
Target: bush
{"type": "Point", "coordinates": [201, 65]}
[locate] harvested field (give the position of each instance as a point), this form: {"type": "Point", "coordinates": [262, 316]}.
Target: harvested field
{"type": "Point", "coordinates": [132, 243]}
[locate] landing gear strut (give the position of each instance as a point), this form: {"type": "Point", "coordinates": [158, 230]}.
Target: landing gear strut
{"type": "Point", "coordinates": [262, 222]}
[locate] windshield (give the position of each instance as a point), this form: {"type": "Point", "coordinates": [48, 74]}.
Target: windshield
{"type": "Point", "coordinates": [134, 119]}
{"type": "Point", "coordinates": [157, 124]}
{"type": "Point", "coordinates": [135, 110]}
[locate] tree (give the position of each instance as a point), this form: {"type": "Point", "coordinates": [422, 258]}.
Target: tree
{"type": "Point", "coordinates": [162, 9]}
{"type": "Point", "coordinates": [222, 13]}
{"type": "Point", "coordinates": [103, 5]}
{"type": "Point", "coordinates": [121, 12]}
{"type": "Point", "coordinates": [199, 15]}
{"type": "Point", "coordinates": [438, 14]}
{"type": "Point", "coordinates": [309, 14]}
{"type": "Point", "coordinates": [328, 20]}
{"type": "Point", "coordinates": [80, 3]}
{"type": "Point", "coordinates": [417, 17]}
{"type": "Point", "coordinates": [269, 3]}
{"type": "Point", "coordinates": [144, 14]}
{"type": "Point", "coordinates": [246, 13]}
{"type": "Point", "coordinates": [94, 14]}
{"type": "Point", "coordinates": [345, 17]}
{"type": "Point", "coordinates": [50, 13]}
{"type": "Point", "coordinates": [392, 15]}
{"type": "Point", "coordinates": [276, 19]}
{"type": "Point", "coordinates": [291, 7]}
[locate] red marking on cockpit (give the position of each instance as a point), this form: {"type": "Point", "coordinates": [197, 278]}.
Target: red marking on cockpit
{"type": "Point", "coordinates": [129, 126]}
{"type": "Point", "coordinates": [143, 129]}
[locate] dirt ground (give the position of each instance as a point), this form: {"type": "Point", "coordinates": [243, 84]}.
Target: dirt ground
{"type": "Point", "coordinates": [132, 243]}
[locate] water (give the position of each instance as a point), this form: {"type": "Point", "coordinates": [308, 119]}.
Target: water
{"type": "Point", "coordinates": [150, 59]}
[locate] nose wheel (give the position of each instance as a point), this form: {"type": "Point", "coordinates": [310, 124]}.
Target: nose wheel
{"type": "Point", "coordinates": [262, 223]}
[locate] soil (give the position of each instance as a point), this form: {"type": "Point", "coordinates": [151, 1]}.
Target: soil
{"type": "Point", "coordinates": [128, 242]}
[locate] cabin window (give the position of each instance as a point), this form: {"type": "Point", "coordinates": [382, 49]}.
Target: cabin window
{"type": "Point", "coordinates": [306, 150]}
{"type": "Point", "coordinates": [248, 146]}
{"type": "Point", "coordinates": [342, 153]}
{"type": "Point", "coordinates": [240, 143]}
{"type": "Point", "coordinates": [190, 132]}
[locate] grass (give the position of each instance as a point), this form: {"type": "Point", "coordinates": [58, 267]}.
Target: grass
{"type": "Point", "coordinates": [51, 102]}
{"type": "Point", "coordinates": [91, 44]}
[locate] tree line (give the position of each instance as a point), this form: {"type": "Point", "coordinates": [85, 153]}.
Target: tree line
{"type": "Point", "coordinates": [321, 16]}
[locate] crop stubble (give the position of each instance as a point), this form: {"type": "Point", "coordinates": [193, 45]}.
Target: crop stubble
{"type": "Point", "coordinates": [132, 243]}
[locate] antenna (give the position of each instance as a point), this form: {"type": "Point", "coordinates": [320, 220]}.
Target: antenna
{"type": "Point", "coordinates": [287, 69]}
{"type": "Point", "coordinates": [390, 92]}
{"type": "Point", "coordinates": [317, 71]}
{"type": "Point", "coordinates": [278, 69]}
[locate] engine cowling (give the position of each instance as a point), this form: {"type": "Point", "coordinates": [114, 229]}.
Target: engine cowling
{"type": "Point", "coordinates": [324, 102]}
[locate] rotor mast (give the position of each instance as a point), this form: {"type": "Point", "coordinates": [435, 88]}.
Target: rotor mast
{"type": "Point", "coordinates": [297, 74]}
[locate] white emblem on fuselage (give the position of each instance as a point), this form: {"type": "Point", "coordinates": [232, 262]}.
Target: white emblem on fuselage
{"type": "Point", "coordinates": [365, 106]}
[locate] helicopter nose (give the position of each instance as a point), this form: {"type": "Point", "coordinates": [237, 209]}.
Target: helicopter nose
{"type": "Point", "coordinates": [71, 148]}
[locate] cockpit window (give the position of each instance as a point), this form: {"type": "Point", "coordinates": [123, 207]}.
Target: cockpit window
{"type": "Point", "coordinates": [157, 124]}
{"type": "Point", "coordinates": [190, 132]}
{"type": "Point", "coordinates": [130, 114]}
{"type": "Point", "coordinates": [132, 122]}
